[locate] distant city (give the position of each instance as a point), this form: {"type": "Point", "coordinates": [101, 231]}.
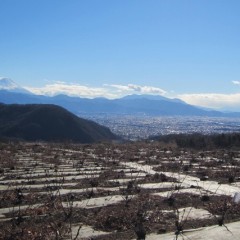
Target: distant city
{"type": "Point", "coordinates": [136, 127]}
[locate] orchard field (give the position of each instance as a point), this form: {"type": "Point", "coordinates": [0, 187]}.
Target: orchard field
{"type": "Point", "coordinates": [140, 190]}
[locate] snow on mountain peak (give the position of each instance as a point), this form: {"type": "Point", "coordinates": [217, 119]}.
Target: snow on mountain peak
{"type": "Point", "coordinates": [9, 85]}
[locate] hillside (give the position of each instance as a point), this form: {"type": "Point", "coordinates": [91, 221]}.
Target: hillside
{"type": "Point", "coordinates": [48, 123]}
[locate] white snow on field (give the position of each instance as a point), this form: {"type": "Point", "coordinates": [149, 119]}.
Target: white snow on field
{"type": "Point", "coordinates": [51, 179]}
{"type": "Point", "coordinates": [3, 187]}
{"type": "Point", "coordinates": [123, 180]}
{"type": "Point", "coordinates": [162, 185]}
{"type": "Point", "coordinates": [211, 186]}
{"type": "Point", "coordinates": [208, 233]}
{"type": "Point", "coordinates": [189, 190]}
{"type": "Point", "coordinates": [136, 174]}
{"type": "Point", "coordinates": [97, 202]}
{"type": "Point", "coordinates": [86, 232]}
{"type": "Point", "coordinates": [81, 190]}
{"type": "Point", "coordinates": [193, 213]}
{"type": "Point", "coordinates": [40, 186]}
{"type": "Point", "coordinates": [4, 211]}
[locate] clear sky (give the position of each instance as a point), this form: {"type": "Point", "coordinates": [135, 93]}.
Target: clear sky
{"type": "Point", "coordinates": [178, 48]}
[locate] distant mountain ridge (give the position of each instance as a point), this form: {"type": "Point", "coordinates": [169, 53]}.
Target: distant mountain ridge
{"type": "Point", "coordinates": [39, 122]}
{"type": "Point", "coordinates": [152, 97]}
{"type": "Point", "coordinates": [151, 105]}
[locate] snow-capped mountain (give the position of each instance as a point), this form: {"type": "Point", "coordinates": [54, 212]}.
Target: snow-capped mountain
{"type": "Point", "coordinates": [9, 85]}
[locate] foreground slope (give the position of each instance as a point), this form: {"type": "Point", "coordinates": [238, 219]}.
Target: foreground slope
{"type": "Point", "coordinates": [48, 123]}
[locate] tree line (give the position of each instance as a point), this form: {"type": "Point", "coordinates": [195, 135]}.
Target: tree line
{"type": "Point", "coordinates": [200, 141]}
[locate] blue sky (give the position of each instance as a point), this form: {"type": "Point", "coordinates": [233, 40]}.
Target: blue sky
{"type": "Point", "coordinates": [178, 48]}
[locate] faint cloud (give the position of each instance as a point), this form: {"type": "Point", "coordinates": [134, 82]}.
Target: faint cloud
{"type": "Point", "coordinates": [213, 100]}
{"type": "Point", "coordinates": [72, 90]}
{"type": "Point", "coordinates": [132, 88]}
{"type": "Point", "coordinates": [108, 91]}
{"type": "Point", "coordinates": [236, 82]}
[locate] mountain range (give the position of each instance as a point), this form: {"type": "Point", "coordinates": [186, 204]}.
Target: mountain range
{"type": "Point", "coordinates": [149, 105]}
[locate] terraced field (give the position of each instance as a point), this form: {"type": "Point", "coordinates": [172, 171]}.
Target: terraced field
{"type": "Point", "coordinates": [118, 191]}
